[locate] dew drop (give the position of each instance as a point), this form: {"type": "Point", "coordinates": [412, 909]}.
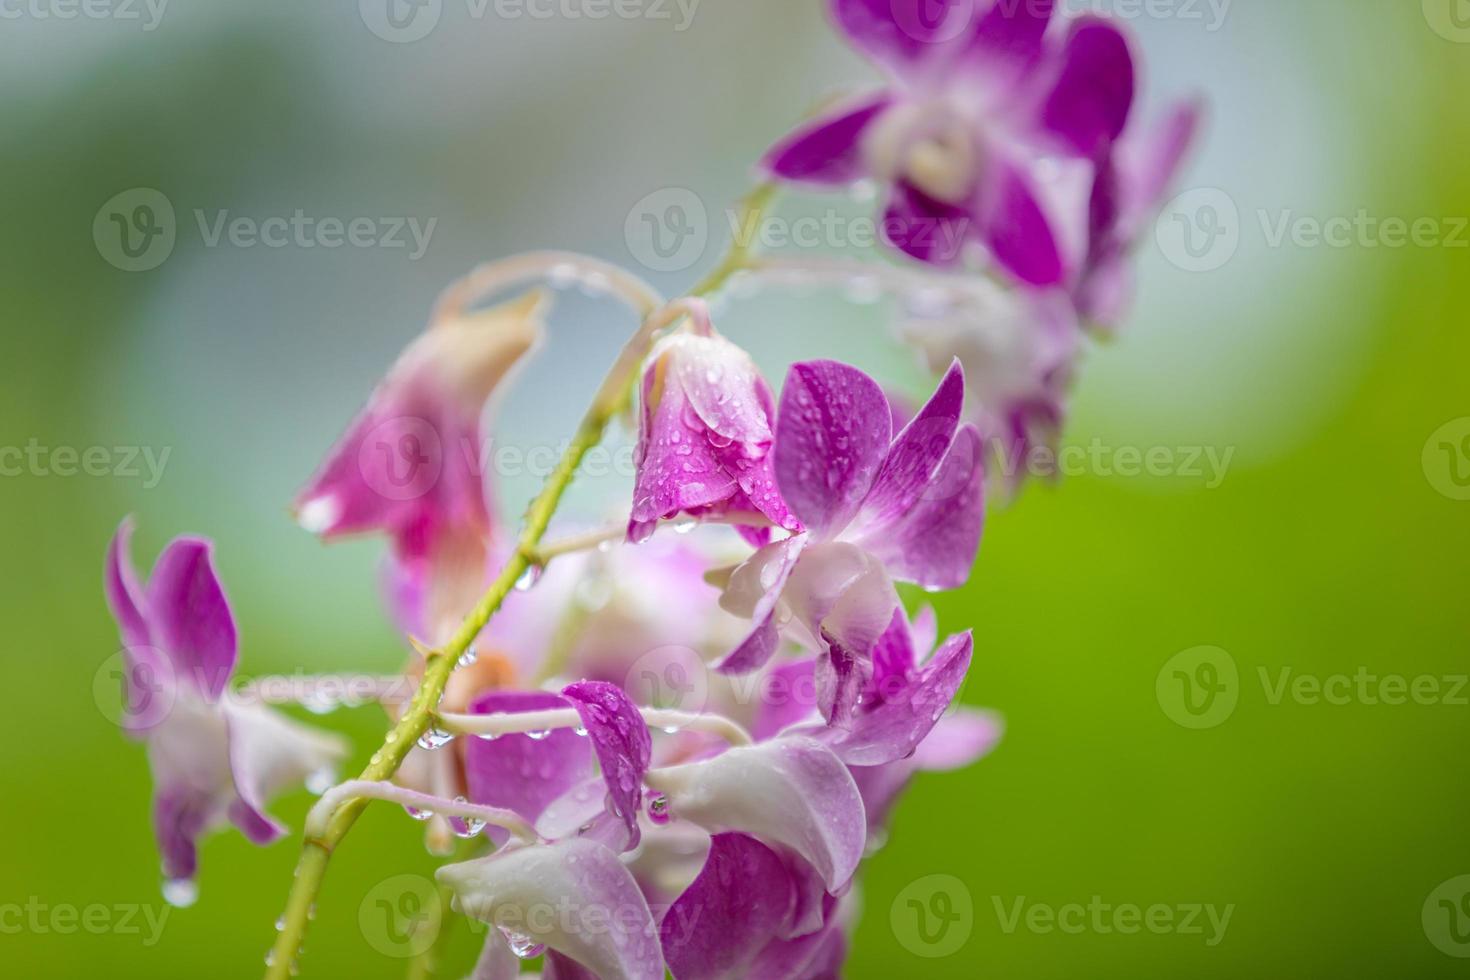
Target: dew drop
{"type": "Point", "coordinates": [321, 781]}
{"type": "Point", "coordinates": [539, 735]}
{"type": "Point", "coordinates": [658, 809]}
{"type": "Point", "coordinates": [685, 526]}
{"type": "Point", "coordinates": [524, 947]}
{"type": "Point", "coordinates": [180, 892]}
{"type": "Point", "coordinates": [420, 815]}
{"type": "Point", "coordinates": [528, 579]}
{"type": "Point", "coordinates": [467, 658]}
{"type": "Point", "coordinates": [434, 738]}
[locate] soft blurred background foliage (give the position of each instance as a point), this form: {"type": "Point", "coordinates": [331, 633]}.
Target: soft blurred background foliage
{"type": "Point", "coordinates": [1325, 549]}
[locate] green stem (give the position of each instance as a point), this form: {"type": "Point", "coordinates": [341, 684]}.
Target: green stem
{"type": "Point", "coordinates": [615, 392]}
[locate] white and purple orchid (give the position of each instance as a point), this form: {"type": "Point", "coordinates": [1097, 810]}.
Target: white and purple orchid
{"type": "Point", "coordinates": [987, 131]}
{"type": "Point", "coordinates": [215, 760]}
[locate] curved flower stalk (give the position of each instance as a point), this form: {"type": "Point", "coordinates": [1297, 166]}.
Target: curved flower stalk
{"type": "Point", "coordinates": [214, 760]}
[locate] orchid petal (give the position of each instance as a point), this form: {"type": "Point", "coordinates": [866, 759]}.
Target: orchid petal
{"type": "Point", "coordinates": [958, 739]}
{"type": "Point", "coordinates": [787, 697]}
{"type": "Point", "coordinates": [268, 753]}
{"type": "Point", "coordinates": [916, 452]}
{"type": "Point", "coordinates": [518, 772]}
{"type": "Point", "coordinates": [934, 545]}
{"type": "Point", "coordinates": [601, 919]}
{"type": "Point", "coordinates": [902, 36]}
{"type": "Point", "coordinates": [496, 961]}
{"type": "Point", "coordinates": [831, 436]}
{"type": "Point", "coordinates": [1089, 106]}
{"type": "Point", "coordinates": [741, 899]}
{"type": "Point", "coordinates": [827, 151]}
{"type": "Point", "coordinates": [790, 791]}
{"type": "Point", "coordinates": [894, 728]}
{"type": "Point", "coordinates": [624, 747]}
{"type": "Point", "coordinates": [754, 591]}
{"type": "Point", "coordinates": [181, 814]}
{"type": "Point", "coordinates": [925, 228]}
{"type": "Point", "coordinates": [191, 617]}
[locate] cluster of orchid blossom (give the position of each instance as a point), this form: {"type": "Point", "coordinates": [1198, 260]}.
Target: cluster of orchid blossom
{"type": "Point", "coordinates": [689, 757]}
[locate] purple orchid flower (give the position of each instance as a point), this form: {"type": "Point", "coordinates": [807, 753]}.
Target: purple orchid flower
{"type": "Point", "coordinates": [704, 438]}
{"type": "Point", "coordinates": [1131, 185]}
{"type": "Point", "coordinates": [214, 760]}
{"type": "Point", "coordinates": [409, 465]}
{"type": "Point", "coordinates": [987, 131]}
{"type": "Point", "coordinates": [875, 507]}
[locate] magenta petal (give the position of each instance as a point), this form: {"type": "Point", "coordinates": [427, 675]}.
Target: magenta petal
{"type": "Point", "coordinates": [623, 745]}
{"type": "Point", "coordinates": [1018, 231]}
{"type": "Point", "coordinates": [958, 739]}
{"type": "Point", "coordinates": [180, 814]}
{"type": "Point", "coordinates": [892, 730]}
{"type": "Point", "coordinates": [191, 617]}
{"type": "Point", "coordinates": [559, 967]}
{"type": "Point", "coordinates": [257, 827]}
{"type": "Point", "coordinates": [764, 575]}
{"type": "Point", "coordinates": [518, 772]}
{"type": "Point", "coordinates": [1154, 163]}
{"type": "Point", "coordinates": [120, 584]}
{"type": "Point", "coordinates": [832, 433]}
{"type": "Point", "coordinates": [1008, 36]}
{"type": "Point", "coordinates": [842, 674]}
{"type": "Point", "coordinates": [817, 956]}
{"type": "Point", "coordinates": [925, 228]}
{"type": "Point", "coordinates": [828, 150]}
{"type": "Point", "coordinates": [908, 38]}
{"type": "Point", "coordinates": [934, 545]}
{"type": "Point", "coordinates": [787, 697]}
{"type": "Point", "coordinates": [917, 452]}
{"type": "Point", "coordinates": [893, 660]}
{"type": "Point", "coordinates": [742, 897]}
{"type": "Point", "coordinates": [1089, 105]}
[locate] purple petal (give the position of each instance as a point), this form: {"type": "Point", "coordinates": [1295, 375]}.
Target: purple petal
{"type": "Point", "coordinates": [496, 961]}
{"type": "Point", "coordinates": [925, 228]}
{"type": "Point", "coordinates": [120, 584]}
{"type": "Point", "coordinates": [817, 956]}
{"type": "Point", "coordinates": [180, 815]}
{"type": "Point", "coordinates": [892, 730]}
{"type": "Point", "coordinates": [191, 617]}
{"type": "Point", "coordinates": [911, 39]}
{"type": "Point", "coordinates": [934, 545]}
{"type": "Point", "coordinates": [1089, 106]}
{"type": "Point", "coordinates": [958, 739]}
{"type": "Point", "coordinates": [831, 436]}
{"type": "Point", "coordinates": [827, 151]}
{"type": "Point", "coordinates": [893, 660]}
{"type": "Point", "coordinates": [790, 791]}
{"type": "Point", "coordinates": [741, 899]}
{"type": "Point", "coordinates": [518, 772]}
{"type": "Point", "coordinates": [623, 745]}
{"type": "Point", "coordinates": [917, 452]}
{"type": "Point", "coordinates": [842, 674]}
{"type": "Point", "coordinates": [1155, 163]}
{"type": "Point", "coordinates": [559, 967]}
{"type": "Point", "coordinates": [787, 697]}
{"type": "Point", "coordinates": [1018, 231]}
{"type": "Point", "coordinates": [678, 467]}
{"type": "Point", "coordinates": [881, 787]}
{"type": "Point", "coordinates": [594, 912]}
{"type": "Point", "coordinates": [1006, 40]}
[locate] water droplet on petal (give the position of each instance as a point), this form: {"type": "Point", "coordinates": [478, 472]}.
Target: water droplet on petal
{"type": "Point", "coordinates": [180, 892]}
{"type": "Point", "coordinates": [539, 735]}
{"type": "Point", "coordinates": [523, 946]}
{"type": "Point", "coordinates": [685, 526]}
{"type": "Point", "coordinates": [658, 809]}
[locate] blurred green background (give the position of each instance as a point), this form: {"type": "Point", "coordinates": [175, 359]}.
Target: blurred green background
{"type": "Point", "coordinates": [1333, 544]}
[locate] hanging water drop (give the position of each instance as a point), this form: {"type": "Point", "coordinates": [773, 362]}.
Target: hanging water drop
{"type": "Point", "coordinates": [540, 734]}
{"type": "Point", "coordinates": [180, 892]}
{"type": "Point", "coordinates": [524, 947]}
{"type": "Point", "coordinates": [434, 738]}
{"type": "Point", "coordinates": [658, 809]}
{"type": "Point", "coordinates": [528, 579]}
{"type": "Point", "coordinates": [321, 781]}
{"type": "Point", "coordinates": [467, 658]}
{"type": "Point", "coordinates": [419, 815]}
